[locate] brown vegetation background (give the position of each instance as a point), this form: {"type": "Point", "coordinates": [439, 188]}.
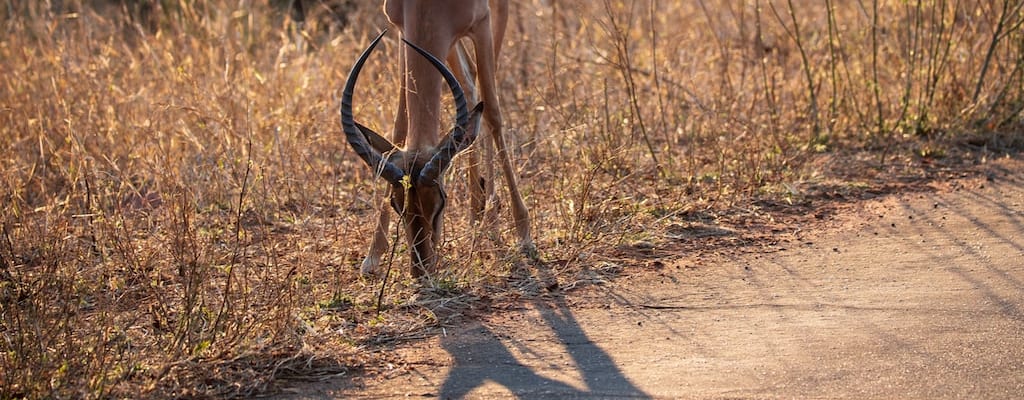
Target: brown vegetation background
{"type": "Point", "coordinates": [181, 216]}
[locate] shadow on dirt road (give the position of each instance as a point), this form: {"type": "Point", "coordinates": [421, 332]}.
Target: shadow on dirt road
{"type": "Point", "coordinates": [913, 296]}
{"type": "Point", "coordinates": [483, 357]}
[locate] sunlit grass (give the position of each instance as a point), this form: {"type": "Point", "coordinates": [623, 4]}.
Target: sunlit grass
{"type": "Point", "coordinates": [182, 217]}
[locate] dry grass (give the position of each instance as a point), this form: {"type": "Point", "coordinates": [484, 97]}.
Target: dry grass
{"type": "Point", "coordinates": [181, 216]}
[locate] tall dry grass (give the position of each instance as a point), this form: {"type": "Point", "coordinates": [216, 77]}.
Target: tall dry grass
{"type": "Point", "coordinates": [181, 216]}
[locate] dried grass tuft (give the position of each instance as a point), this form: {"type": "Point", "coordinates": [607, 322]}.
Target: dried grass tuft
{"type": "Point", "coordinates": [180, 215]}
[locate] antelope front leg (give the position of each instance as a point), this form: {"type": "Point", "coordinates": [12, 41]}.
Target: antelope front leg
{"type": "Point", "coordinates": [380, 241]}
{"type": "Point", "coordinates": [379, 244]}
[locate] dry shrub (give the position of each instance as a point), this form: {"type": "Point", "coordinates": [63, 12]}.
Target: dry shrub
{"type": "Point", "coordinates": [181, 216]}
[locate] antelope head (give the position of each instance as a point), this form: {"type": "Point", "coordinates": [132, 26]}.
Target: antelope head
{"type": "Point", "coordinates": [415, 175]}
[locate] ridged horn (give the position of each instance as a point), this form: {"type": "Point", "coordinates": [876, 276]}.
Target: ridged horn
{"type": "Point", "coordinates": [458, 140]}
{"type": "Point", "coordinates": [382, 167]}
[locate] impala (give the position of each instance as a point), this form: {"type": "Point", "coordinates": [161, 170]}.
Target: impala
{"type": "Point", "coordinates": [414, 162]}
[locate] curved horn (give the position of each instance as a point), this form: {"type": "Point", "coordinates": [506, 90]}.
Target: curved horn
{"type": "Point", "coordinates": [461, 110]}
{"type": "Point", "coordinates": [459, 139]}
{"type": "Point", "coordinates": [356, 139]}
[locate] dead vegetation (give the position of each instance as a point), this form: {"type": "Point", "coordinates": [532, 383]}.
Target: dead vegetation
{"type": "Point", "coordinates": [182, 217]}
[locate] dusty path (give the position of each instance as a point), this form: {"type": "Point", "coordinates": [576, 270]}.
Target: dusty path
{"type": "Point", "coordinates": [913, 296]}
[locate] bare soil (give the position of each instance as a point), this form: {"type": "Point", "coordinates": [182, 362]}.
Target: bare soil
{"type": "Point", "coordinates": [918, 294]}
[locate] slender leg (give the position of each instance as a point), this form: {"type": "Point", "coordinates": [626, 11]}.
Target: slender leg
{"type": "Point", "coordinates": [499, 21]}
{"type": "Point", "coordinates": [463, 71]}
{"type": "Point", "coordinates": [379, 244]}
{"type": "Point", "coordinates": [477, 200]}
{"type": "Point", "coordinates": [485, 60]}
{"type": "Point", "coordinates": [380, 241]}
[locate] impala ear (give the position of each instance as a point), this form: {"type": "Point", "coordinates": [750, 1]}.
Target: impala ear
{"type": "Point", "coordinates": [377, 141]}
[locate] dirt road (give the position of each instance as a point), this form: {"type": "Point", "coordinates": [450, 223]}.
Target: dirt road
{"type": "Point", "coordinates": [917, 295]}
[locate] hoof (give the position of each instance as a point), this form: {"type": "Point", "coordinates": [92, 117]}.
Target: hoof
{"type": "Point", "coordinates": [370, 266]}
{"type": "Point", "coordinates": [530, 251]}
